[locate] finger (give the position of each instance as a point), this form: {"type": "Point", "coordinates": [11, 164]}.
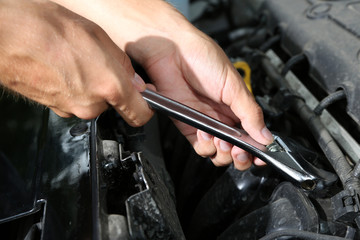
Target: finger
{"type": "Point", "coordinates": [259, 162]}
{"type": "Point", "coordinates": [89, 112]}
{"type": "Point", "coordinates": [61, 113]}
{"type": "Point", "coordinates": [151, 87]}
{"type": "Point", "coordinates": [242, 103]}
{"type": "Point", "coordinates": [130, 104]}
{"type": "Point", "coordinates": [223, 153]}
{"type": "Point", "coordinates": [242, 159]}
{"type": "Point", "coordinates": [204, 146]}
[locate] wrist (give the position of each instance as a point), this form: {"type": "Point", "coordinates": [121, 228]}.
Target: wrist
{"type": "Point", "coordinates": [133, 24]}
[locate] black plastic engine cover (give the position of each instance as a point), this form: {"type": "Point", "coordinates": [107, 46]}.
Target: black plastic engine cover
{"type": "Point", "coordinates": [328, 33]}
{"type": "Point", "coordinates": [289, 208]}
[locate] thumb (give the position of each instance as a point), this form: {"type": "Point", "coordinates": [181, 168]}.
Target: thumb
{"type": "Point", "coordinates": [242, 103]}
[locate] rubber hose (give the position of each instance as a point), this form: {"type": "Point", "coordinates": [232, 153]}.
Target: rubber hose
{"type": "Point", "coordinates": [291, 63]}
{"type": "Point", "coordinates": [320, 133]}
{"type": "Point", "coordinates": [273, 74]}
{"type": "Point", "coordinates": [327, 101]}
{"type": "Point", "coordinates": [271, 41]}
{"type": "Point", "coordinates": [325, 141]}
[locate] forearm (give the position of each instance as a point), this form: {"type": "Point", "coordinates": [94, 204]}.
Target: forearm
{"type": "Point", "coordinates": [130, 21]}
{"type": "Point", "coordinates": [62, 60]}
{"type": "Point", "coordinates": [20, 63]}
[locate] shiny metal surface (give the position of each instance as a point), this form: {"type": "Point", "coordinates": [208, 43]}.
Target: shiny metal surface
{"type": "Point", "coordinates": [338, 132]}
{"type": "Point", "coordinates": [288, 163]}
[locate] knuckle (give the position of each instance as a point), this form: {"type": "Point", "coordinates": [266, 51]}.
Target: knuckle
{"type": "Point", "coordinates": [205, 151]}
{"type": "Point", "coordinates": [65, 115]}
{"type": "Point", "coordinates": [62, 114]}
{"type": "Point", "coordinates": [126, 111]}
{"type": "Point", "coordinates": [113, 97]}
{"type": "Point", "coordinates": [251, 109]}
{"type": "Point", "coordinates": [258, 111]}
{"type": "Point", "coordinates": [221, 161]}
{"type": "Point", "coordinates": [216, 163]}
{"type": "Point", "coordinates": [254, 119]}
{"type": "Point", "coordinates": [85, 114]}
{"type": "Point", "coordinates": [112, 93]}
{"type": "Point", "coordinates": [132, 117]}
{"type": "Point", "coordinates": [92, 29]}
{"type": "Point", "coordinates": [136, 122]}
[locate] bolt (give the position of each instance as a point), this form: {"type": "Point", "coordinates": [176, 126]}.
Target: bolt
{"type": "Point", "coordinates": [109, 166]}
{"type": "Point", "coordinates": [274, 147]}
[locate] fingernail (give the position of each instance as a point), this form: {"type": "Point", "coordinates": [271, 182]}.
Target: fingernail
{"type": "Point", "coordinates": [138, 83]}
{"type": "Point", "coordinates": [205, 135]}
{"type": "Point", "coordinates": [267, 134]}
{"type": "Point", "coordinates": [242, 157]}
{"type": "Point", "coordinates": [225, 146]}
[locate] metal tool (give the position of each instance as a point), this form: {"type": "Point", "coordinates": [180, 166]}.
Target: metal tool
{"type": "Point", "coordinates": [279, 154]}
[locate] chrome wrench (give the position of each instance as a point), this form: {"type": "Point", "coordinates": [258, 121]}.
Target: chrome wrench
{"type": "Point", "coordinates": [279, 154]}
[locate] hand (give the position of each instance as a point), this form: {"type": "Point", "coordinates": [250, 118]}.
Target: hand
{"type": "Point", "coordinates": [64, 61]}
{"type": "Point", "coordinates": [184, 64]}
{"type": "Point", "coordinates": [202, 77]}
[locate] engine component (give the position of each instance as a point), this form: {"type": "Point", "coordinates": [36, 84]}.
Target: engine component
{"type": "Point", "coordinates": [232, 196]}
{"type": "Point", "coordinates": [289, 208]}
{"type": "Point", "coordinates": [344, 139]}
{"type": "Point", "coordinates": [323, 31]}
{"type": "Point", "coordinates": [282, 155]}
{"type": "Point", "coordinates": [102, 179]}
{"type": "Point", "coordinates": [336, 96]}
{"type": "Point", "coordinates": [347, 206]}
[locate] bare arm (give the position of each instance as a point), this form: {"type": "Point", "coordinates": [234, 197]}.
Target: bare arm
{"type": "Point", "coordinates": [184, 64]}
{"type": "Point", "coordinates": [64, 61]}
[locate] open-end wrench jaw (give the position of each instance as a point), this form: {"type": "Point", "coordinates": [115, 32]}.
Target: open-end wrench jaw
{"type": "Point", "coordinates": [283, 155]}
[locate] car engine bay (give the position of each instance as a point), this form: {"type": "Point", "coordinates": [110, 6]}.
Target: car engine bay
{"type": "Point", "coordinates": [102, 179]}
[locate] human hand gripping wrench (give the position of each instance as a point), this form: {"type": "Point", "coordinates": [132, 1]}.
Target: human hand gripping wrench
{"type": "Point", "coordinates": [280, 154]}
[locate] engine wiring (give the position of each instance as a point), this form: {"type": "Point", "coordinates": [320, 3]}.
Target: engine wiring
{"type": "Point", "coordinates": [282, 103]}
{"type": "Point", "coordinates": [330, 99]}
{"type": "Point", "coordinates": [292, 62]}
{"type": "Point", "coordinates": [349, 177]}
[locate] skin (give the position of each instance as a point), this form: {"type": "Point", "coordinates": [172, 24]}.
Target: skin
{"type": "Point", "coordinates": [45, 51]}
{"type": "Point", "coordinates": [182, 62]}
